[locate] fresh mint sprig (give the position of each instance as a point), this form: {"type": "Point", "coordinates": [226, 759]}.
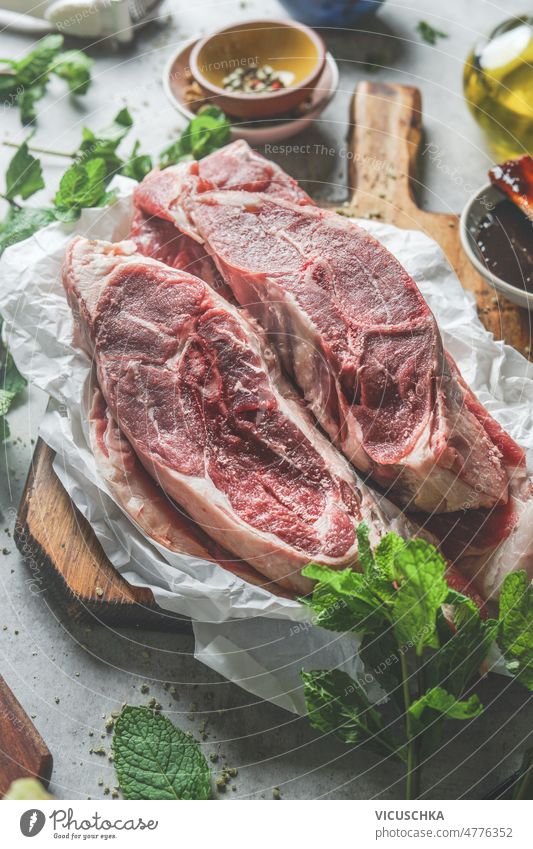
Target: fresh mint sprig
{"type": "Point", "coordinates": [24, 82]}
{"type": "Point", "coordinates": [421, 641]}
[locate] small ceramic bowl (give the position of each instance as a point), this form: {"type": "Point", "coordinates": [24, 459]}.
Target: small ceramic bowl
{"type": "Point", "coordinates": [176, 84]}
{"type": "Point", "coordinates": [482, 201]}
{"type": "Point", "coordinates": [284, 45]}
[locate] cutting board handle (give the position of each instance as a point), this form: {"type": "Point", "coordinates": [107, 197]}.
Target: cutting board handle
{"type": "Point", "coordinates": [384, 141]}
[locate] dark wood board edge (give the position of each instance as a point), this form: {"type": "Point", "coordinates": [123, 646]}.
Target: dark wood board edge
{"type": "Point", "coordinates": [136, 608]}
{"type": "Point", "coordinates": [23, 752]}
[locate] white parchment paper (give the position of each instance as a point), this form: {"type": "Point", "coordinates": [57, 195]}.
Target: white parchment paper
{"type": "Point", "coordinates": [248, 635]}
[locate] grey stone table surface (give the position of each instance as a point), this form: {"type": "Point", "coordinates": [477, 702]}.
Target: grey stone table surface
{"type": "Point", "coordinates": [70, 676]}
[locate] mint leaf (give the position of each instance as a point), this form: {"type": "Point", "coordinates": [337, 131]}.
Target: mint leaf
{"type": "Point", "coordinates": [156, 760]}
{"type": "Point", "coordinates": [24, 174]}
{"type": "Point", "coordinates": [27, 79]}
{"type": "Point", "coordinates": [379, 654]}
{"type": "Point", "coordinates": [74, 67]}
{"type": "Point", "coordinates": [438, 699]}
{"type": "Point", "coordinates": [103, 144]}
{"type": "Point", "coordinates": [515, 636]}
{"type": "Point", "coordinates": [138, 164]}
{"type": "Point", "coordinates": [209, 131]}
{"type": "Point", "coordinates": [428, 33]}
{"type": "Point", "coordinates": [419, 570]}
{"type": "Point", "coordinates": [20, 224]}
{"type": "Point", "coordinates": [428, 713]}
{"type": "Point", "coordinates": [364, 551]}
{"type": "Point", "coordinates": [389, 547]}
{"type": "Point", "coordinates": [343, 600]}
{"type": "Point", "coordinates": [27, 100]}
{"type": "Point", "coordinates": [35, 67]}
{"type": "Point", "coordinates": [11, 384]}
{"type": "Point", "coordinates": [459, 659]}
{"type": "Point", "coordinates": [82, 185]}
{"type": "Point", "coordinates": [338, 704]}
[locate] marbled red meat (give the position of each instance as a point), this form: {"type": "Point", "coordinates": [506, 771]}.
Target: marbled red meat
{"type": "Point", "coordinates": [197, 393]}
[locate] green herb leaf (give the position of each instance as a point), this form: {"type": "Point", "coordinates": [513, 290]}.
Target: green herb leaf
{"type": "Point", "coordinates": [20, 224]}
{"type": "Point", "coordinates": [82, 185]}
{"type": "Point", "coordinates": [419, 570]}
{"type": "Point", "coordinates": [343, 600]}
{"type": "Point", "coordinates": [209, 131]}
{"type": "Point", "coordinates": [103, 143]}
{"type": "Point", "coordinates": [74, 67]}
{"type": "Point", "coordinates": [27, 100]}
{"type": "Point", "coordinates": [379, 654]}
{"type": "Point", "coordinates": [428, 33]}
{"type": "Point", "coordinates": [516, 626]}
{"type": "Point", "coordinates": [11, 384]}
{"type": "Point", "coordinates": [27, 79]}
{"type": "Point", "coordinates": [24, 174]}
{"type": "Point", "coordinates": [36, 65]}
{"type": "Point", "coordinates": [438, 699]}
{"type": "Point", "coordinates": [364, 551]}
{"type": "Point", "coordinates": [459, 659]}
{"type": "Point", "coordinates": [156, 760]}
{"type": "Point", "coordinates": [138, 165]}
{"type": "Point", "coordinates": [338, 704]}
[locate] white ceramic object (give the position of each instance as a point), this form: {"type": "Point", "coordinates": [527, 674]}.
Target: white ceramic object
{"type": "Point", "coordinates": [478, 205]}
{"type": "Point", "coordinates": [261, 132]}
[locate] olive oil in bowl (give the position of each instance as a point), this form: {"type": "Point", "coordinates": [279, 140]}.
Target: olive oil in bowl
{"type": "Point", "coordinates": [498, 87]}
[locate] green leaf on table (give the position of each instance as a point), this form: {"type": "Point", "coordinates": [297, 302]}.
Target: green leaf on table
{"type": "Point", "coordinates": [155, 760]}
{"type": "Point", "coordinates": [419, 572]}
{"type": "Point", "coordinates": [428, 33]}
{"type": "Point", "coordinates": [74, 67]}
{"type": "Point", "coordinates": [20, 224]}
{"type": "Point", "coordinates": [338, 704]}
{"type": "Point", "coordinates": [24, 81]}
{"type": "Point", "coordinates": [207, 132]}
{"type": "Point", "coordinates": [138, 165]}
{"type": "Point", "coordinates": [515, 636]}
{"type": "Point", "coordinates": [27, 100]}
{"type": "Point", "coordinates": [24, 174]}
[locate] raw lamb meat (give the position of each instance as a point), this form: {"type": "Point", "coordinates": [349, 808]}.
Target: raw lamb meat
{"type": "Point", "coordinates": [348, 322]}
{"type": "Point", "coordinates": [198, 395]}
{"type": "Point", "coordinates": [148, 506]}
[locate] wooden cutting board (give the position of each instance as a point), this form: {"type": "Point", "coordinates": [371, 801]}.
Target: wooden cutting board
{"type": "Point", "coordinates": [385, 137]}
{"type": "Point", "coordinates": [23, 752]}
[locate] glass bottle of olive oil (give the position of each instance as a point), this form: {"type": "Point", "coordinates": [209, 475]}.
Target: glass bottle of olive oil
{"type": "Point", "coordinates": [498, 87]}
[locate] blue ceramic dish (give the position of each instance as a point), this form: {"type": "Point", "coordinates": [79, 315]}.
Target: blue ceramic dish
{"type": "Point", "coordinates": [330, 13]}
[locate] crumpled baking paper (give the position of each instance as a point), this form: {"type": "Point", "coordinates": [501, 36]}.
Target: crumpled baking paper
{"type": "Point", "coordinates": [257, 640]}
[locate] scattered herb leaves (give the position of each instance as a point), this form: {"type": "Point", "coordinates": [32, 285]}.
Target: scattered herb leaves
{"type": "Point", "coordinates": [24, 82]}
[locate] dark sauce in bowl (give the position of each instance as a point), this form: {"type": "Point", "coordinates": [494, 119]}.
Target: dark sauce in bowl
{"type": "Point", "coordinates": [505, 242]}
